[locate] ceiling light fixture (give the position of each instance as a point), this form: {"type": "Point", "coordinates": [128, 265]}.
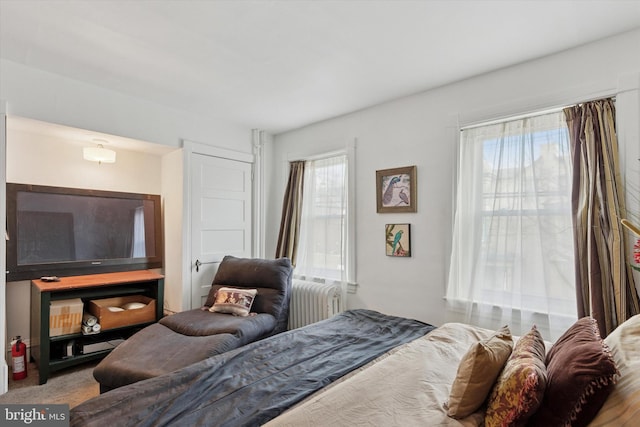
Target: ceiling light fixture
{"type": "Point", "coordinates": [99, 154]}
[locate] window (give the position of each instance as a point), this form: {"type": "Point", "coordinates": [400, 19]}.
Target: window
{"type": "Point", "coordinates": [322, 249]}
{"type": "Point", "coordinates": [512, 254]}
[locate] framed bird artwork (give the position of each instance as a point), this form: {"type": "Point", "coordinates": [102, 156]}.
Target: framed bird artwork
{"type": "Point", "coordinates": [396, 190]}
{"type": "Point", "coordinates": [398, 239]}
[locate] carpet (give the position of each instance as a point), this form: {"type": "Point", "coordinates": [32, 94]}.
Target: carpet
{"type": "Point", "coordinates": [71, 386]}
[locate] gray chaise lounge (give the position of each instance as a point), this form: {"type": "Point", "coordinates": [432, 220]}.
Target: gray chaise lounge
{"type": "Point", "coordinates": [184, 338]}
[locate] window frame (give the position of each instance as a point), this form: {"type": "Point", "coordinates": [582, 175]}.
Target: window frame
{"type": "Point", "coordinates": [349, 152]}
{"type": "Point", "coordinates": [481, 212]}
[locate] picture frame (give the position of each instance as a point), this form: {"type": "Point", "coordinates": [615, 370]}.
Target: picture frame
{"type": "Point", "coordinates": [397, 240]}
{"type": "Point", "coordinates": [396, 190]}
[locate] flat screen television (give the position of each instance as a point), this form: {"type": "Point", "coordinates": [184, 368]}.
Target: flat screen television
{"type": "Point", "coordinates": [57, 231]}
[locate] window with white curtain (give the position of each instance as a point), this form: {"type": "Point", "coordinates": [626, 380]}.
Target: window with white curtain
{"type": "Point", "coordinates": [512, 253]}
{"type": "Point", "coordinates": [322, 248]}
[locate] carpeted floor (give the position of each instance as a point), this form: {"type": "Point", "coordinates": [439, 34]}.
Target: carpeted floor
{"type": "Point", "coordinates": [73, 386]}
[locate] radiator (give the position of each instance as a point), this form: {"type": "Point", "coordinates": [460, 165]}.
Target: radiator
{"type": "Point", "coordinates": [312, 302]}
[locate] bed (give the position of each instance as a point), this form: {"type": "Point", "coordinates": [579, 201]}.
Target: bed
{"type": "Point", "coordinates": [360, 367]}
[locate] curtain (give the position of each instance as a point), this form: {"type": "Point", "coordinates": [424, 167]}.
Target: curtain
{"type": "Point", "coordinates": [138, 247]}
{"type": "Point", "coordinates": [291, 213]}
{"type": "Point", "coordinates": [512, 250]}
{"type": "Point", "coordinates": [322, 250]}
{"type": "Point", "coordinates": [605, 287]}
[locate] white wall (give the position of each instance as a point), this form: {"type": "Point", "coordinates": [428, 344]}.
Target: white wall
{"type": "Point", "coordinates": [422, 130]}
{"type": "Point", "coordinates": [172, 203]}
{"type": "Point", "coordinates": [48, 97]}
{"type": "Point", "coordinates": [47, 160]}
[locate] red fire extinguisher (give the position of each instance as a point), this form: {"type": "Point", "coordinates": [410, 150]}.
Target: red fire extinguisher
{"type": "Point", "coordinates": [19, 356]}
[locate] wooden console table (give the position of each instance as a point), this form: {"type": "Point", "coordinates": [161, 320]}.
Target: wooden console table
{"type": "Point", "coordinates": [45, 350]}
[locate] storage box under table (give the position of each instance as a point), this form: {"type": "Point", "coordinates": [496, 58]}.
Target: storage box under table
{"type": "Point", "coordinates": [114, 319]}
{"type": "Point", "coordinates": [65, 317]}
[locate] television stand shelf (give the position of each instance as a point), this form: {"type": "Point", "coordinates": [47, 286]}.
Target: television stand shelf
{"type": "Point", "coordinates": [45, 349]}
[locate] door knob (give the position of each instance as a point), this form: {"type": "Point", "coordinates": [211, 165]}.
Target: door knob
{"type": "Point", "coordinates": [198, 264]}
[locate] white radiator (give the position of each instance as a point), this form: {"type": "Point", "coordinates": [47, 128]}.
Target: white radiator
{"type": "Point", "coordinates": [312, 302]}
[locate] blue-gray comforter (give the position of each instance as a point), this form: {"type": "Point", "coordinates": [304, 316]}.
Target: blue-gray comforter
{"type": "Point", "coordinates": [253, 384]}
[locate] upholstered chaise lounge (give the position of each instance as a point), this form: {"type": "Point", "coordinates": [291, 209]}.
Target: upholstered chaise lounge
{"type": "Point", "coordinates": [184, 338]}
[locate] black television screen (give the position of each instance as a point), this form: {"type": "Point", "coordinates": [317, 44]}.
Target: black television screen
{"type": "Point", "coordinates": [69, 231]}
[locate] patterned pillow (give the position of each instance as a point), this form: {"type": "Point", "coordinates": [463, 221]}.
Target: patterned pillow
{"type": "Point", "coordinates": [477, 372]}
{"type": "Point", "coordinates": [234, 301]}
{"type": "Point", "coordinates": [581, 375]}
{"type": "Point", "coordinates": [521, 384]}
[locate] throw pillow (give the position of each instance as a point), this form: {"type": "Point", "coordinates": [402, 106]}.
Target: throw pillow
{"type": "Point", "coordinates": [521, 384]}
{"type": "Point", "coordinates": [477, 372]}
{"type": "Point", "coordinates": [581, 374]}
{"type": "Point", "coordinates": [622, 407]}
{"type": "Point", "coordinates": [233, 300]}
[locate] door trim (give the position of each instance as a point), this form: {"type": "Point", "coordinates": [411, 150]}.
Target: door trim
{"type": "Point", "coordinates": [190, 148]}
{"type": "Point", "coordinates": [4, 368]}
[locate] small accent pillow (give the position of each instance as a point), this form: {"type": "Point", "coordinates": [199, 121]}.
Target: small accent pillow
{"type": "Point", "coordinates": [520, 387]}
{"type": "Point", "coordinates": [234, 301]}
{"type": "Point", "coordinates": [477, 371]}
{"type": "Point", "coordinates": [581, 374]}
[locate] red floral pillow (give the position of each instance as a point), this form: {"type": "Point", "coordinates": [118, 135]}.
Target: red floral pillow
{"type": "Point", "coordinates": [521, 384]}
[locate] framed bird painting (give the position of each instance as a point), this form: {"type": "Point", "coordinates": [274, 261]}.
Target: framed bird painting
{"type": "Point", "coordinates": [398, 239]}
{"type": "Point", "coordinates": [396, 190]}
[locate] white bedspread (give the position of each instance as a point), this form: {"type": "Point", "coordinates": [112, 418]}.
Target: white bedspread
{"type": "Point", "coordinates": [407, 386]}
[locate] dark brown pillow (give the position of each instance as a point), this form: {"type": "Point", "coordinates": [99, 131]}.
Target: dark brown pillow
{"type": "Point", "coordinates": [580, 375]}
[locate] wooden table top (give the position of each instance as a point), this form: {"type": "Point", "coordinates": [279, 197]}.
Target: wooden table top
{"type": "Point", "coordinates": [93, 280]}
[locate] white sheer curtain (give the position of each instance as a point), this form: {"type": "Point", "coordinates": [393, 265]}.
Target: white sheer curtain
{"type": "Point", "coordinates": [322, 250]}
{"type": "Point", "coordinates": [512, 253]}
{"type": "Point", "coordinates": [138, 247]}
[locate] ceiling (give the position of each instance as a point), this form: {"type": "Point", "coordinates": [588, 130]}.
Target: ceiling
{"type": "Point", "coordinates": [280, 65]}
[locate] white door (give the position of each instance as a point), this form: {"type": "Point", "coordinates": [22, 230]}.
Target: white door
{"type": "Point", "coordinates": [221, 218]}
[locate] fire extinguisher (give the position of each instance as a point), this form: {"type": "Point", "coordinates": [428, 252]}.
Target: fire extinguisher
{"type": "Point", "coordinates": [19, 356]}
